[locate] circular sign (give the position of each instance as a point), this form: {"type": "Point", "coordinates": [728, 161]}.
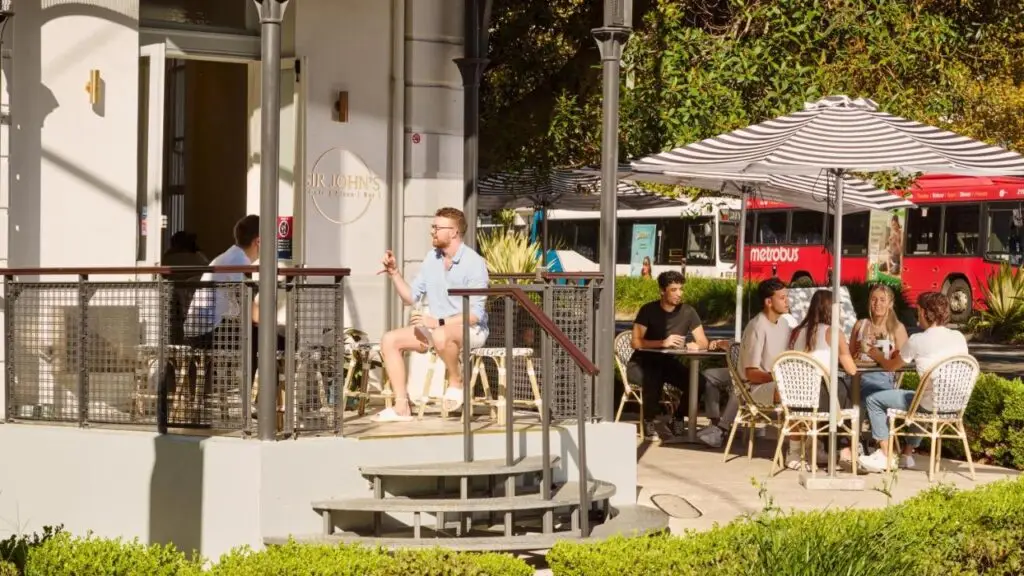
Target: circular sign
{"type": "Point", "coordinates": [342, 187]}
{"type": "Point", "coordinates": [415, 138]}
{"type": "Point", "coordinates": [284, 228]}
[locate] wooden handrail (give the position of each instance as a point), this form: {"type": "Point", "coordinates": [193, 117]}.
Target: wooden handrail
{"type": "Point", "coordinates": [109, 271]}
{"type": "Point", "coordinates": [538, 314]}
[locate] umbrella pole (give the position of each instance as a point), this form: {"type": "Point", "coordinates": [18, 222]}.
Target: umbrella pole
{"type": "Point", "coordinates": [741, 261]}
{"type": "Point", "coordinates": [544, 237]}
{"type": "Point", "coordinates": [833, 377]}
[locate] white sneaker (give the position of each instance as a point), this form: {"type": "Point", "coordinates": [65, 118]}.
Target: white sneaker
{"type": "Point", "coordinates": [874, 462]}
{"type": "Point", "coordinates": [907, 461]}
{"type": "Point", "coordinates": [712, 436]}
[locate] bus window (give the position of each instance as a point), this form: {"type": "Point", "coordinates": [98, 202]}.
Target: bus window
{"type": "Point", "coordinates": [771, 227]}
{"type": "Point", "coordinates": [1003, 240]}
{"type": "Point", "coordinates": [700, 243]}
{"type": "Point", "coordinates": [727, 242]}
{"type": "Point", "coordinates": [673, 243]}
{"type": "Point", "coordinates": [923, 226]}
{"type": "Point", "coordinates": [855, 234]}
{"type": "Point", "coordinates": [748, 231]}
{"type": "Point", "coordinates": [624, 242]}
{"type": "Point", "coordinates": [807, 227]}
{"type": "Point", "coordinates": [962, 226]}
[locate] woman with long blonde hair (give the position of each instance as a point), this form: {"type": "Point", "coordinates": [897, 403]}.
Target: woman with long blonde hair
{"type": "Point", "coordinates": [879, 327]}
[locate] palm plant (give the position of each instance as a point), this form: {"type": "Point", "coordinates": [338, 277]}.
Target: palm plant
{"type": "Point", "coordinates": [509, 251]}
{"type": "Point", "coordinates": [1003, 316]}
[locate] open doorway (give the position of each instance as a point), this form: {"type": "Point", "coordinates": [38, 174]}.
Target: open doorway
{"type": "Point", "coordinates": [205, 151]}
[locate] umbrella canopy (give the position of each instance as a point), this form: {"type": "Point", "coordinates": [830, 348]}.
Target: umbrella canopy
{"type": "Point", "coordinates": [808, 192]}
{"type": "Point", "coordinates": [565, 188]}
{"type": "Point", "coordinates": [839, 133]}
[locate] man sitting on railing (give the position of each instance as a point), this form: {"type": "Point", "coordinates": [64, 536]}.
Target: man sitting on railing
{"type": "Point", "coordinates": [214, 315]}
{"type": "Point", "coordinates": [449, 264]}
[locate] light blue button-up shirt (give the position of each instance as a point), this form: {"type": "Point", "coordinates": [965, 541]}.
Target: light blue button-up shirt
{"type": "Point", "coordinates": [469, 270]}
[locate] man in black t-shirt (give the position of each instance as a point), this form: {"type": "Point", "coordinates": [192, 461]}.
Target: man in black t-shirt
{"type": "Point", "coordinates": [664, 323]}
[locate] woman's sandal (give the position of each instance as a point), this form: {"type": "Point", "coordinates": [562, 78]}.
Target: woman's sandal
{"type": "Point", "coordinates": [391, 415]}
{"type": "Point", "coordinates": [452, 399]}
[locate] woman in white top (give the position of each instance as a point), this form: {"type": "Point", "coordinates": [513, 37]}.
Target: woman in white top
{"type": "Point", "coordinates": [880, 327]}
{"type": "Point", "coordinates": [813, 335]}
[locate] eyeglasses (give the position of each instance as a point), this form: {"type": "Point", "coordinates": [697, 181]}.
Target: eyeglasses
{"type": "Point", "coordinates": [434, 228]}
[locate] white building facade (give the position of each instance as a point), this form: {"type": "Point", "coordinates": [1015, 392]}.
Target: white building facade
{"type": "Point", "coordinates": [128, 120]}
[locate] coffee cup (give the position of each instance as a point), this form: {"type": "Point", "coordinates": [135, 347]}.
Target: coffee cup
{"type": "Point", "coordinates": [885, 346]}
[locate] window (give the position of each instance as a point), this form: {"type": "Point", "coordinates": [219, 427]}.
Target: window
{"type": "Point", "coordinates": [923, 226]}
{"type": "Point", "coordinates": [808, 227]}
{"type": "Point", "coordinates": [727, 242]}
{"type": "Point", "coordinates": [700, 242]}
{"type": "Point", "coordinates": [1003, 241]}
{"type": "Point", "coordinates": [624, 242]}
{"type": "Point", "coordinates": [855, 233]}
{"type": "Point", "coordinates": [771, 227]}
{"type": "Point", "coordinates": [673, 241]}
{"type": "Point", "coordinates": [962, 230]}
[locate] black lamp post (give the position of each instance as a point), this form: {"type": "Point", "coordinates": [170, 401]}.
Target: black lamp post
{"type": "Point", "coordinates": [471, 66]}
{"type": "Point", "coordinates": [611, 39]}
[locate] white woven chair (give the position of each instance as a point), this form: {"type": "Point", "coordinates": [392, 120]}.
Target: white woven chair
{"type": "Point", "coordinates": [952, 382]}
{"type": "Point", "coordinates": [505, 389]}
{"type": "Point", "coordinates": [750, 413]}
{"type": "Point", "coordinates": [799, 376]}
{"type": "Point", "coordinates": [632, 391]}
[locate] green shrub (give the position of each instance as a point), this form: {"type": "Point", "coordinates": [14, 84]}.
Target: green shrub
{"type": "Point", "coordinates": [940, 532]}
{"type": "Point", "coordinates": [295, 559]}
{"type": "Point", "coordinates": [8, 569]}
{"type": "Point", "coordinates": [15, 548]}
{"type": "Point", "coordinates": [63, 555]}
{"type": "Point", "coordinates": [713, 298]}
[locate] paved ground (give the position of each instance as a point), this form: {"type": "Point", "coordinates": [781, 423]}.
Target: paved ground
{"type": "Point", "coordinates": [720, 492]}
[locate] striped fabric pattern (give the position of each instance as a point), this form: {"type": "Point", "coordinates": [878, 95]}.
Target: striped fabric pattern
{"type": "Point", "coordinates": [565, 189]}
{"type": "Point", "coordinates": [808, 192]}
{"type": "Point", "coordinates": [839, 133]}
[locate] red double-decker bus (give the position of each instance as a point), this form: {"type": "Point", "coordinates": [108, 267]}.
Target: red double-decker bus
{"type": "Point", "coordinates": [962, 229]}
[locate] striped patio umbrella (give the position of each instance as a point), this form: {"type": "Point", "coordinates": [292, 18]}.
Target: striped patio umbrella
{"type": "Point", "coordinates": [564, 188]}
{"type": "Point", "coordinates": [837, 135]}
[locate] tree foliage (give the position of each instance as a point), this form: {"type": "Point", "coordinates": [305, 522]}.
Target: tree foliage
{"type": "Point", "coordinates": [694, 69]}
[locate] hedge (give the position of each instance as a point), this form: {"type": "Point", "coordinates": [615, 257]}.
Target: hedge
{"type": "Point", "coordinates": [994, 420]}
{"type": "Point", "coordinates": [939, 532]}
{"type": "Point", "coordinates": [64, 555]}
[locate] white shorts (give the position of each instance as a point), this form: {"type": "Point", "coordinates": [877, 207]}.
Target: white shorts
{"type": "Point", "coordinates": [477, 337]}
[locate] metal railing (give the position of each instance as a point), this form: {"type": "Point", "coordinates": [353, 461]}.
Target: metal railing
{"type": "Point", "coordinates": [170, 352]}
{"type": "Point", "coordinates": [562, 308]}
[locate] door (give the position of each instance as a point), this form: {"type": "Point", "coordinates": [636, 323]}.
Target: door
{"type": "Point", "coordinates": [152, 77]}
{"type": "Point", "coordinates": [290, 181]}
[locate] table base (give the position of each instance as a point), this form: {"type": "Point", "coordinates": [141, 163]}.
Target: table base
{"type": "Point", "coordinates": [844, 483]}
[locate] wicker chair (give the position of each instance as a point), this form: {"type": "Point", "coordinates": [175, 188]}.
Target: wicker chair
{"type": "Point", "coordinates": [798, 376]}
{"type": "Point", "coordinates": [952, 382]}
{"type": "Point", "coordinates": [750, 413]}
{"type": "Point", "coordinates": [632, 391]}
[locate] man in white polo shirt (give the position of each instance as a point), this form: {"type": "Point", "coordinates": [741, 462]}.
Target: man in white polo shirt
{"type": "Point", "coordinates": [924, 349]}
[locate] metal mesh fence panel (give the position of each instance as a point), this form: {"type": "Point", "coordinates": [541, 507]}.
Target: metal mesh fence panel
{"type": "Point", "coordinates": [43, 329]}
{"type": "Point", "coordinates": [208, 358]}
{"type": "Point", "coordinates": [572, 311]}
{"type": "Point", "coordinates": [316, 368]}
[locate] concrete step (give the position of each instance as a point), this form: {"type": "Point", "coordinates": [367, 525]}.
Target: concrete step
{"type": "Point", "coordinates": [567, 494]}
{"type": "Point", "coordinates": [628, 520]}
{"type": "Point", "coordinates": [497, 467]}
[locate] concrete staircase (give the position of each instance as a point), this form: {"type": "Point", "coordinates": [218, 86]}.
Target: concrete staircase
{"type": "Point", "coordinates": [483, 505]}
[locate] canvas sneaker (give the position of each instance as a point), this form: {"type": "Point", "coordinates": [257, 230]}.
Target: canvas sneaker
{"type": "Point", "coordinates": [907, 461]}
{"type": "Point", "coordinates": [874, 462]}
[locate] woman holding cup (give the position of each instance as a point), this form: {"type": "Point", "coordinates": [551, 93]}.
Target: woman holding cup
{"type": "Point", "coordinates": [882, 330]}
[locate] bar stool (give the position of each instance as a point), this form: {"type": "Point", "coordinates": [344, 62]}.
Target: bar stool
{"type": "Point", "coordinates": [498, 356]}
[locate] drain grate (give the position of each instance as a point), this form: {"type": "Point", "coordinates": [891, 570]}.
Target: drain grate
{"type": "Point", "coordinates": [676, 506]}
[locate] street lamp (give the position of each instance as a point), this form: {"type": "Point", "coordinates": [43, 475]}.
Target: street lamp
{"type": "Point", "coordinates": [271, 16]}
{"type": "Point", "coordinates": [471, 66]}
{"type": "Point", "coordinates": [611, 39]}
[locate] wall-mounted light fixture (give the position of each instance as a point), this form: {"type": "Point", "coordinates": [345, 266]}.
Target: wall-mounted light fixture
{"type": "Point", "coordinates": [341, 106]}
{"type": "Point", "coordinates": [93, 87]}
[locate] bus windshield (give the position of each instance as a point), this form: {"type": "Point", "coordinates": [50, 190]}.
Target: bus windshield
{"type": "Point", "coordinates": [727, 242]}
{"type": "Point", "coordinates": [700, 242]}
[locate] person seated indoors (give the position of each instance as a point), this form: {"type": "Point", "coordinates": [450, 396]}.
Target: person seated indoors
{"type": "Point", "coordinates": [925, 350]}
{"type": "Point", "coordinates": [664, 323]}
{"type": "Point", "coordinates": [764, 338]}
{"type": "Point", "coordinates": [813, 336]}
{"type": "Point", "coordinates": [880, 329]}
